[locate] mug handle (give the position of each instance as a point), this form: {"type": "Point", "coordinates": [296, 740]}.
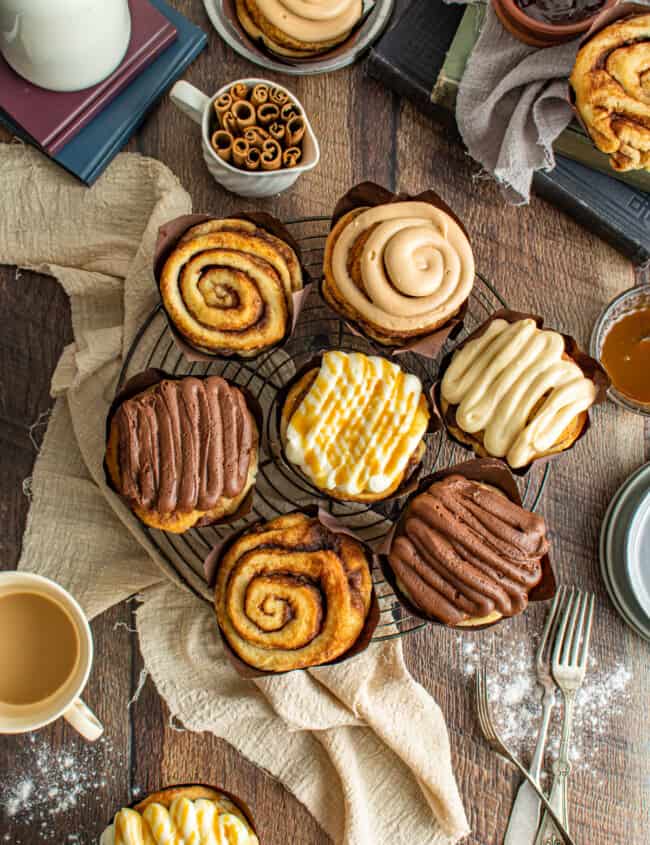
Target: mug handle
{"type": "Point", "coordinates": [189, 100]}
{"type": "Point", "coordinates": [83, 720]}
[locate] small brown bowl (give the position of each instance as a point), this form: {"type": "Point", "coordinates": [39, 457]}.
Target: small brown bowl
{"type": "Point", "coordinates": [537, 33]}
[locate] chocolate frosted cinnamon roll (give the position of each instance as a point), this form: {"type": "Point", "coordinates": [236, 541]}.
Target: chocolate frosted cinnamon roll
{"type": "Point", "coordinates": [465, 555]}
{"type": "Point", "coordinates": [227, 285]}
{"type": "Point", "coordinates": [611, 81]}
{"type": "Point", "coordinates": [298, 28]}
{"type": "Point", "coordinates": [183, 452]}
{"type": "Point", "coordinates": [400, 270]}
{"type": "Point", "coordinates": [292, 594]}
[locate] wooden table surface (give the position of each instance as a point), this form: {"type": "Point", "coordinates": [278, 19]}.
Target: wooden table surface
{"type": "Point", "coordinates": [539, 260]}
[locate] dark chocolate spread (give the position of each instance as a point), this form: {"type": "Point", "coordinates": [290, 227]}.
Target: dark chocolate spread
{"type": "Point", "coordinates": [463, 550]}
{"type": "Point", "coordinates": [560, 11]}
{"type": "Point", "coordinates": [184, 444]}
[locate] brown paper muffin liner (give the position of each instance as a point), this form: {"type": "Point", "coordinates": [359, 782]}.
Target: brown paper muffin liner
{"type": "Point", "coordinates": [211, 566]}
{"type": "Point", "coordinates": [589, 366]}
{"type": "Point", "coordinates": [279, 455]}
{"type": "Point", "coordinates": [488, 471]}
{"type": "Point", "coordinates": [148, 378]}
{"type": "Point", "coordinates": [370, 194]}
{"type": "Point", "coordinates": [235, 799]}
{"type": "Point", "coordinates": [169, 235]}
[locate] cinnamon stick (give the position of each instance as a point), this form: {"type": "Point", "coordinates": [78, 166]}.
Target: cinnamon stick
{"type": "Point", "coordinates": [259, 95]}
{"type": "Point", "coordinates": [256, 135]}
{"type": "Point", "coordinates": [291, 157]}
{"type": "Point", "coordinates": [239, 91]}
{"type": "Point", "coordinates": [271, 156]}
{"type": "Point", "coordinates": [222, 142]}
{"type": "Point", "coordinates": [267, 113]}
{"type": "Point", "coordinates": [244, 114]}
{"type": "Point", "coordinates": [240, 151]}
{"type": "Point", "coordinates": [295, 131]}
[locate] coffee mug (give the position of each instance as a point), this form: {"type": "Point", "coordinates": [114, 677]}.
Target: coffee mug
{"type": "Point", "coordinates": [198, 107]}
{"type": "Point", "coordinates": [46, 652]}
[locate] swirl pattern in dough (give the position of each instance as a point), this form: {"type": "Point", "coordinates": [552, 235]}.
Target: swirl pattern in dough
{"type": "Point", "coordinates": [227, 287]}
{"type": "Point", "coordinates": [400, 269]}
{"type": "Point", "coordinates": [194, 815]}
{"type": "Point", "coordinates": [516, 392]}
{"type": "Point", "coordinates": [300, 28]}
{"type": "Point", "coordinates": [292, 594]}
{"type": "Point", "coordinates": [611, 81]}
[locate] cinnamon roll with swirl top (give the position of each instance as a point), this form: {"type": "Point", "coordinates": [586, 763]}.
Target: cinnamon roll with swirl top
{"type": "Point", "coordinates": [400, 270]}
{"type": "Point", "coordinates": [291, 594]}
{"type": "Point", "coordinates": [465, 555]}
{"type": "Point", "coordinates": [227, 287]}
{"type": "Point", "coordinates": [183, 452]}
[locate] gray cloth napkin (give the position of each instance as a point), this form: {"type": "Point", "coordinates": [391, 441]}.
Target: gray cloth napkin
{"type": "Point", "coordinates": [512, 104]}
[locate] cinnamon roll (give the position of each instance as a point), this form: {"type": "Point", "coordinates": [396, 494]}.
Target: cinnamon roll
{"type": "Point", "coordinates": [465, 555]}
{"type": "Point", "coordinates": [611, 82]}
{"type": "Point", "coordinates": [183, 452]}
{"type": "Point", "coordinates": [355, 425]}
{"type": "Point", "coordinates": [299, 28]}
{"type": "Point", "coordinates": [400, 270]}
{"type": "Point", "coordinates": [227, 286]}
{"type": "Point", "coordinates": [193, 814]}
{"type": "Point", "coordinates": [292, 594]}
{"type": "Point", "coordinates": [513, 391]}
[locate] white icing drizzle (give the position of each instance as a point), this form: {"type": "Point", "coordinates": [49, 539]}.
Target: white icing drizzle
{"type": "Point", "coordinates": [496, 381]}
{"type": "Point", "coordinates": [358, 424]}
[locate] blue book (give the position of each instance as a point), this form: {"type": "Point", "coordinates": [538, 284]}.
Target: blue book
{"type": "Point", "coordinates": [94, 147]}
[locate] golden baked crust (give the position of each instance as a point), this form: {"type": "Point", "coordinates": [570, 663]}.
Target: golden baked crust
{"type": "Point", "coordinates": [611, 81]}
{"type": "Point", "coordinates": [292, 594]}
{"type": "Point", "coordinates": [227, 287]}
{"type": "Point", "coordinates": [340, 303]}
{"type": "Point", "coordinates": [295, 395]}
{"type": "Point", "coordinates": [275, 39]}
{"type": "Point", "coordinates": [177, 523]}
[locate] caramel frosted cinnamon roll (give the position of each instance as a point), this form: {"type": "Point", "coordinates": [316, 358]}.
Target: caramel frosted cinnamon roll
{"type": "Point", "coordinates": [227, 285]}
{"type": "Point", "coordinates": [292, 594]}
{"type": "Point", "coordinates": [514, 392]}
{"type": "Point", "coordinates": [464, 554]}
{"type": "Point", "coordinates": [401, 269]}
{"type": "Point", "coordinates": [183, 452]}
{"type": "Point", "coordinates": [198, 815]}
{"type": "Point", "coordinates": [300, 28]}
{"type": "Point", "coordinates": [611, 81]}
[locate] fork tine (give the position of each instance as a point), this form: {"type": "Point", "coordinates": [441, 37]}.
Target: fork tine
{"type": "Point", "coordinates": [551, 622]}
{"type": "Point", "coordinates": [580, 629]}
{"type": "Point", "coordinates": [571, 632]}
{"type": "Point", "coordinates": [561, 632]}
{"type": "Point", "coordinates": [587, 633]}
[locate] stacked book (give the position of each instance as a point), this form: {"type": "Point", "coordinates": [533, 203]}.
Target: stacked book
{"type": "Point", "coordinates": [83, 130]}
{"type": "Point", "coordinates": [423, 57]}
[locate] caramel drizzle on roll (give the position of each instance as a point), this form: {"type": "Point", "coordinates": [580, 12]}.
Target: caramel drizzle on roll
{"type": "Point", "coordinates": [611, 80]}
{"type": "Point", "coordinates": [184, 444]}
{"type": "Point", "coordinates": [465, 551]}
{"type": "Point", "coordinates": [515, 384]}
{"type": "Point", "coordinates": [312, 20]}
{"type": "Point", "coordinates": [228, 284]}
{"type": "Point", "coordinates": [417, 267]}
{"type": "Point", "coordinates": [292, 594]}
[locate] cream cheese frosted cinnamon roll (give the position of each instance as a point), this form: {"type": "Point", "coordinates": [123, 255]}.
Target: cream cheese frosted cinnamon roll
{"type": "Point", "coordinates": [466, 555]}
{"type": "Point", "coordinates": [190, 814]}
{"type": "Point", "coordinates": [514, 392]}
{"type": "Point", "coordinates": [183, 452]}
{"type": "Point", "coordinates": [401, 269]}
{"type": "Point", "coordinates": [299, 28]}
{"type": "Point", "coordinates": [227, 286]}
{"type": "Point", "coordinates": [355, 425]}
{"type": "Point", "coordinates": [292, 594]}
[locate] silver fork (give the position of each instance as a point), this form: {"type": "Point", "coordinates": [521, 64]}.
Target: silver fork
{"type": "Point", "coordinates": [569, 666]}
{"type": "Point", "coordinates": [526, 810]}
{"type": "Point", "coordinates": [492, 736]}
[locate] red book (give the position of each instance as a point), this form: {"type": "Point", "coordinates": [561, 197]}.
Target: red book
{"type": "Point", "coordinates": [52, 118]}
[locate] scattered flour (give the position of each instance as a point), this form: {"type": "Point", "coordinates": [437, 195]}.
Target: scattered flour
{"type": "Point", "coordinates": [515, 698]}
{"type": "Point", "coordinates": [52, 783]}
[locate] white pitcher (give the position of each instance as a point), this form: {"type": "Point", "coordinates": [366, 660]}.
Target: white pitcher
{"type": "Point", "coordinates": [64, 45]}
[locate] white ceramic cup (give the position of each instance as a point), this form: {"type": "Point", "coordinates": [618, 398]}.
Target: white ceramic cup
{"type": "Point", "coordinates": [64, 45]}
{"type": "Point", "coordinates": [64, 701]}
{"type": "Point", "coordinates": [258, 183]}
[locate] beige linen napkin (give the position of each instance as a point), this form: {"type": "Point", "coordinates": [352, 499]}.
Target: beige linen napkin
{"type": "Point", "coordinates": [361, 744]}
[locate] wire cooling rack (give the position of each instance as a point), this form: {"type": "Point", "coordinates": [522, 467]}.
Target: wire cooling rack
{"type": "Point", "coordinates": [279, 489]}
